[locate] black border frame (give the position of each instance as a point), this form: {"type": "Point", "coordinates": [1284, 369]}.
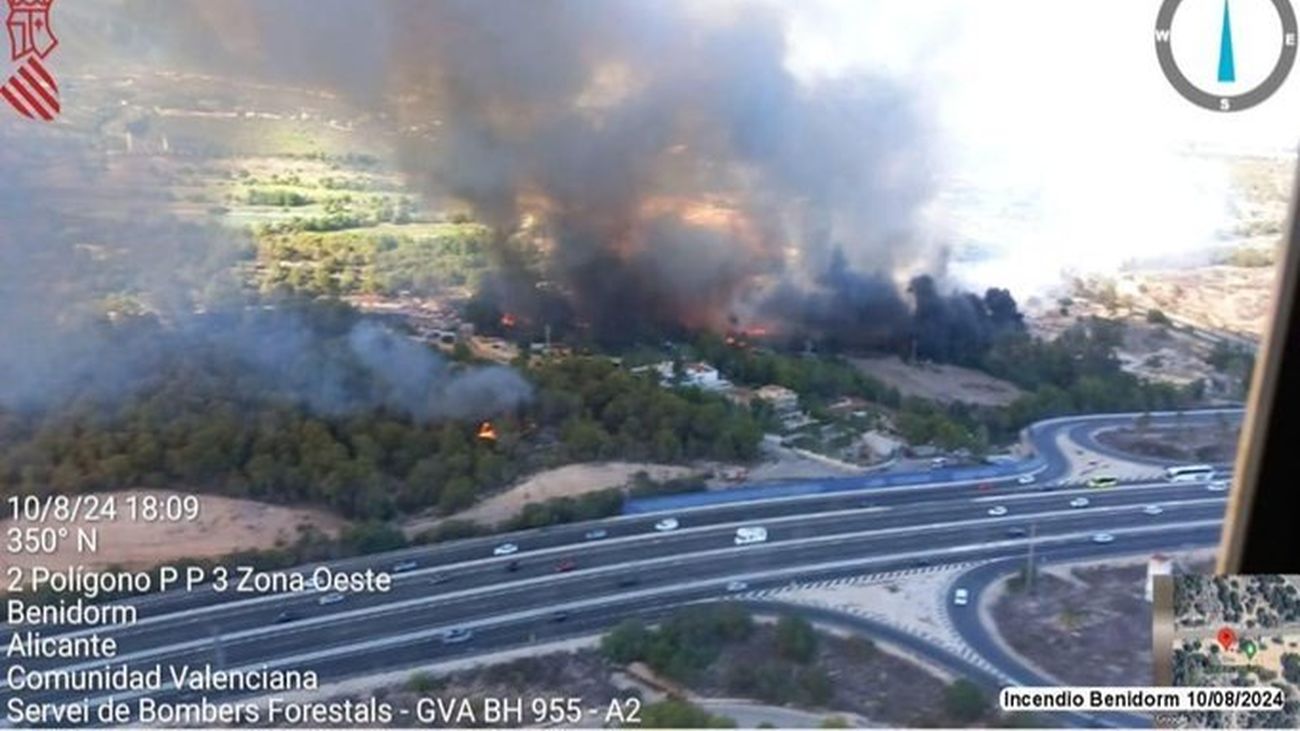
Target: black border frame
{"type": "Point", "coordinates": [1261, 532]}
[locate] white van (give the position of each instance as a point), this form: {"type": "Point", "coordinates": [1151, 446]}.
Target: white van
{"type": "Point", "coordinates": [752, 534]}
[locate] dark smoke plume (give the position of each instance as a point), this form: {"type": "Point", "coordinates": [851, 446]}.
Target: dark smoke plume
{"type": "Point", "coordinates": [68, 256]}
{"type": "Point", "coordinates": [678, 173]}
{"type": "Point", "coordinates": [960, 327]}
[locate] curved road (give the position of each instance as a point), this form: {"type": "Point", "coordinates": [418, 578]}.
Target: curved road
{"type": "Point", "coordinates": [560, 583]}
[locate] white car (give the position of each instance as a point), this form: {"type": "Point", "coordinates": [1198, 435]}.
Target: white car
{"type": "Point", "coordinates": [961, 597]}
{"type": "Point", "coordinates": [596, 535]}
{"type": "Point", "coordinates": [1102, 538]}
{"type": "Point", "coordinates": [331, 598]}
{"type": "Point", "coordinates": [997, 510]}
{"type": "Point", "coordinates": [402, 566]}
{"type": "Point", "coordinates": [1026, 480]}
{"type": "Point", "coordinates": [667, 524]}
{"type": "Point", "coordinates": [505, 549]}
{"type": "Point", "coordinates": [737, 586]}
{"type": "Point", "coordinates": [752, 534]}
{"type": "Point", "coordinates": [1153, 510]}
{"type": "Point", "coordinates": [1079, 502]}
{"type": "Point", "coordinates": [1217, 486]}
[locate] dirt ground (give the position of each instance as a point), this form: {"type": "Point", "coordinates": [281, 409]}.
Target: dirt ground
{"type": "Point", "coordinates": [943, 383]}
{"type": "Point", "coordinates": [866, 680]}
{"type": "Point", "coordinates": [1189, 444]}
{"type": "Point", "coordinates": [580, 674]}
{"type": "Point", "coordinates": [1092, 628]}
{"type": "Point", "coordinates": [224, 526]}
{"type": "Point", "coordinates": [567, 481]}
{"type": "Point", "coordinates": [1235, 299]}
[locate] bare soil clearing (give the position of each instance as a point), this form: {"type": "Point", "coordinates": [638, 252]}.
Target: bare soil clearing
{"type": "Point", "coordinates": [1091, 630]}
{"type": "Point", "coordinates": [224, 526]}
{"type": "Point", "coordinates": [864, 679]}
{"type": "Point", "coordinates": [568, 481]}
{"type": "Point", "coordinates": [943, 383]}
{"type": "Point", "coordinates": [1189, 444]}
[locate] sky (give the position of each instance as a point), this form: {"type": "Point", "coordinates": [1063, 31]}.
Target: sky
{"type": "Point", "coordinates": [1060, 144]}
{"type": "Point", "coordinates": [1055, 116]}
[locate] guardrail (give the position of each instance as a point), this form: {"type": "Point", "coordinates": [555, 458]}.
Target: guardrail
{"type": "Point", "coordinates": [834, 485]}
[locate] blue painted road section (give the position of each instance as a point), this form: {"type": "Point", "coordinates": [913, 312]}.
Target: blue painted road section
{"type": "Point", "coordinates": [827, 486]}
{"type": "Point", "coordinates": [1047, 464]}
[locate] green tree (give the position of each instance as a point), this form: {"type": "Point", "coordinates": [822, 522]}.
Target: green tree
{"type": "Point", "coordinates": [628, 642]}
{"type": "Point", "coordinates": [1291, 667]}
{"type": "Point", "coordinates": [964, 701]}
{"type": "Point", "coordinates": [1157, 317]}
{"type": "Point", "coordinates": [795, 638]}
{"type": "Point", "coordinates": [422, 683]}
{"type": "Point", "coordinates": [457, 495]}
{"type": "Point", "coordinates": [674, 713]}
{"type": "Point", "coordinates": [816, 686]}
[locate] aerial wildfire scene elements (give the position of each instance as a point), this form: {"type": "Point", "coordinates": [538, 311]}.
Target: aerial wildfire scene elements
{"type": "Point", "coordinates": [482, 282]}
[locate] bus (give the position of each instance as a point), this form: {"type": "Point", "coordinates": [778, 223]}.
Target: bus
{"type": "Point", "coordinates": [1190, 473]}
{"type": "Point", "coordinates": [1103, 481]}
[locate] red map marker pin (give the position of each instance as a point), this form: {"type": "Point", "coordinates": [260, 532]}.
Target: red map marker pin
{"type": "Point", "coordinates": [1227, 637]}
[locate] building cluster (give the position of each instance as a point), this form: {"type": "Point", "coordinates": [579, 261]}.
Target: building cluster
{"type": "Point", "coordinates": [432, 320]}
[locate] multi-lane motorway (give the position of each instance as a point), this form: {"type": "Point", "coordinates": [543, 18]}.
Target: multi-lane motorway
{"type": "Point", "coordinates": [565, 581]}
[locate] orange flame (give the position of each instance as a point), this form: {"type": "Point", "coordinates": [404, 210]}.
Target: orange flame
{"type": "Point", "coordinates": [509, 320]}
{"type": "Point", "coordinates": [487, 432]}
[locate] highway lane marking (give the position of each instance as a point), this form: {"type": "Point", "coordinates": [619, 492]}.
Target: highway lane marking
{"type": "Point", "coordinates": [486, 542]}
{"type": "Point", "coordinates": [197, 615]}
{"type": "Point", "coordinates": [189, 618]}
{"type": "Point", "coordinates": [427, 552]}
{"type": "Point", "coordinates": [1129, 416]}
{"type": "Point", "coordinates": [683, 587]}
{"type": "Point", "coordinates": [405, 604]}
{"type": "Point", "coordinates": [194, 614]}
{"type": "Point", "coordinates": [1083, 490]}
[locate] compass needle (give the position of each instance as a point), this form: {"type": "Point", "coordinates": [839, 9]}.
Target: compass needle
{"type": "Point", "coordinates": [1227, 67]}
{"type": "Point", "coordinates": [1222, 90]}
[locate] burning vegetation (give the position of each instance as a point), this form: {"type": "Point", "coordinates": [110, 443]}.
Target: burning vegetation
{"type": "Point", "coordinates": [647, 170]}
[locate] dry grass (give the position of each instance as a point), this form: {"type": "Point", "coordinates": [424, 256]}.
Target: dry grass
{"type": "Point", "coordinates": [943, 383]}
{"type": "Point", "coordinates": [224, 526]}
{"type": "Point", "coordinates": [568, 481]}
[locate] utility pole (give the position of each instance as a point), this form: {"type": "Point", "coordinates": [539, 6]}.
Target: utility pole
{"type": "Point", "coordinates": [1029, 567]}
{"type": "Point", "coordinates": [218, 647]}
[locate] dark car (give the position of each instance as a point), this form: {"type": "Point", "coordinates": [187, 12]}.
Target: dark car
{"type": "Point", "coordinates": [284, 617]}
{"type": "Point", "coordinates": [456, 636]}
{"type": "Point", "coordinates": [628, 581]}
{"type": "Point", "coordinates": [512, 566]}
{"type": "Point", "coordinates": [560, 616]}
{"type": "Point", "coordinates": [567, 564]}
{"type": "Point", "coordinates": [1017, 532]}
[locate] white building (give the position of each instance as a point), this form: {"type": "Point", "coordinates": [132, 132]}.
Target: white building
{"type": "Point", "coordinates": [694, 375]}
{"type": "Point", "coordinates": [782, 399]}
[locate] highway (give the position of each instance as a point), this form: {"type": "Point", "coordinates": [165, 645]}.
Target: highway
{"type": "Point", "coordinates": [635, 570]}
